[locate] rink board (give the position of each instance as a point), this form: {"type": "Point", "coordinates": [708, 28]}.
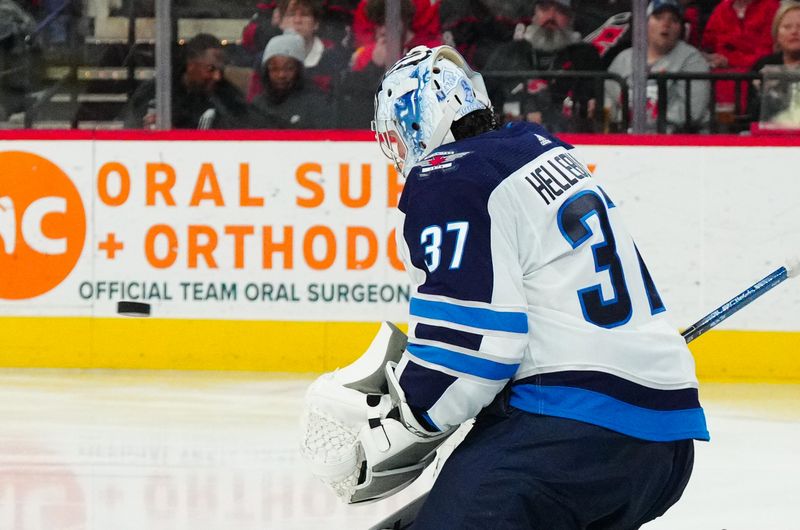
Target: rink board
{"type": "Point", "coordinates": [720, 355]}
{"type": "Point", "coordinates": [275, 251]}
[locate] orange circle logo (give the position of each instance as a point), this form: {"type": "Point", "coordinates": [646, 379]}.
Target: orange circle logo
{"type": "Point", "coordinates": [42, 225]}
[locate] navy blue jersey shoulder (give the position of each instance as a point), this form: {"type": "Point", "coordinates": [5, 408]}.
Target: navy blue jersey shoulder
{"type": "Point", "coordinates": [511, 147]}
{"type": "Point", "coordinates": [486, 159]}
{"type": "Point", "coordinates": [445, 199]}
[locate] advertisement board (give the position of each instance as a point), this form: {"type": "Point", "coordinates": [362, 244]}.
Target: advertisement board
{"type": "Point", "coordinates": [277, 252]}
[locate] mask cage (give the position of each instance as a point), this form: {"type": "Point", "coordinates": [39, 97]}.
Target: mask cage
{"type": "Point", "coordinates": [390, 144]}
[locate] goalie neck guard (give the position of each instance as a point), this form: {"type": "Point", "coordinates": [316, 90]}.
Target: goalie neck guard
{"type": "Point", "coordinates": [419, 99]}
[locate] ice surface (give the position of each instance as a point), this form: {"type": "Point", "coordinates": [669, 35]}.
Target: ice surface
{"type": "Point", "coordinates": [143, 450]}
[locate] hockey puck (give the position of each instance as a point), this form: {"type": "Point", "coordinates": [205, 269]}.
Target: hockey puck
{"type": "Point", "coordinates": [133, 309]}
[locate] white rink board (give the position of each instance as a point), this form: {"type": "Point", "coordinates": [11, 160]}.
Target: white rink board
{"type": "Point", "coordinates": [709, 221]}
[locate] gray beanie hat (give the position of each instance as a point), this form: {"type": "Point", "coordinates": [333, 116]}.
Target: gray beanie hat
{"type": "Point", "coordinates": [288, 44]}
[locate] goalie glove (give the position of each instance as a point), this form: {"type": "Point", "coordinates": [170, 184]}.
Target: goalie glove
{"type": "Point", "coordinates": [360, 436]}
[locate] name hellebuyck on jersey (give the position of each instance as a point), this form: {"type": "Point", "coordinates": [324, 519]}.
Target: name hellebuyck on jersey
{"type": "Point", "coordinates": [547, 185]}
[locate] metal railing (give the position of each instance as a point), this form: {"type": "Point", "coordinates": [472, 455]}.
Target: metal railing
{"type": "Point", "coordinates": [596, 79]}
{"type": "Point", "coordinates": [743, 113]}
{"type": "Point", "coordinates": [734, 120]}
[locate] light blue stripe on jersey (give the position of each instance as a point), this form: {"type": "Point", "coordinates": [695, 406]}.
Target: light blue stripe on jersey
{"type": "Point", "coordinates": [476, 317]}
{"type": "Point", "coordinates": [463, 363]}
{"type": "Point", "coordinates": [600, 409]}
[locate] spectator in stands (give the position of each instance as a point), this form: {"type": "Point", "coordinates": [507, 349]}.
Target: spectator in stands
{"type": "Point", "coordinates": [287, 101]}
{"type": "Point", "coordinates": [335, 18]}
{"type": "Point", "coordinates": [736, 35]}
{"type": "Point", "coordinates": [424, 28]}
{"type": "Point", "coordinates": [16, 58]}
{"type": "Point", "coordinates": [201, 96]}
{"type": "Point", "coordinates": [666, 52]}
{"type": "Point", "coordinates": [263, 25]}
{"type": "Point", "coordinates": [777, 100]}
{"type": "Point", "coordinates": [373, 54]}
{"type": "Point", "coordinates": [337, 22]}
{"type": "Point", "coordinates": [476, 27]}
{"type": "Point", "coordinates": [549, 43]}
{"type": "Point", "coordinates": [323, 60]}
{"type": "Point", "coordinates": [356, 94]}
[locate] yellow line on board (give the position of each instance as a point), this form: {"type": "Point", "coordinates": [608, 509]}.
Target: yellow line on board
{"type": "Point", "coordinates": [766, 356]}
{"type": "Point", "coordinates": [272, 346]}
{"type": "Point", "coordinates": [149, 343]}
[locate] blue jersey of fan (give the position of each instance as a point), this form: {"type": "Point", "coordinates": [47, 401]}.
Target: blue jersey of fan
{"type": "Point", "coordinates": [522, 270]}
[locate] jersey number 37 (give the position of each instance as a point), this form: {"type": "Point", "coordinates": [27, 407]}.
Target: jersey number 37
{"type": "Point", "coordinates": [572, 221]}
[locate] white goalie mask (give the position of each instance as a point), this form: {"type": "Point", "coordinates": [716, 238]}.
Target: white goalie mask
{"type": "Point", "coordinates": [419, 99]}
{"type": "Point", "coordinates": [359, 436]}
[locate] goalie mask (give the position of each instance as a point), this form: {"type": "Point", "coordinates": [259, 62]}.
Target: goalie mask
{"type": "Point", "coordinates": [419, 99]}
{"type": "Point", "coordinates": [359, 436]}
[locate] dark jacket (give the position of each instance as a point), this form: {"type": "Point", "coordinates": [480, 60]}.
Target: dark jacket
{"type": "Point", "coordinates": [305, 107]}
{"type": "Point", "coordinates": [230, 108]}
{"type": "Point", "coordinates": [562, 102]}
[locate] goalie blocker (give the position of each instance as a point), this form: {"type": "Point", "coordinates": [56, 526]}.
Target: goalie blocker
{"type": "Point", "coordinates": [359, 435]}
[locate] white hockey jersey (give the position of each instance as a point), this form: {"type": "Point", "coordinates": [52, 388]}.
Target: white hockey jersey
{"type": "Point", "coordinates": [523, 271]}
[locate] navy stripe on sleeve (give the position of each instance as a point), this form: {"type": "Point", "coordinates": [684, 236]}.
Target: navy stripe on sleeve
{"type": "Point", "coordinates": [455, 337]}
{"type": "Point", "coordinates": [423, 387]}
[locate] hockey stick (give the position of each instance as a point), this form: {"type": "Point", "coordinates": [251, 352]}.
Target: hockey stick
{"type": "Point", "coordinates": [404, 517]}
{"type": "Point", "coordinates": [741, 300]}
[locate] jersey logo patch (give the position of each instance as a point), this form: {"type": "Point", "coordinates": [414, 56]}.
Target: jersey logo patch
{"type": "Point", "coordinates": [543, 140]}
{"type": "Point", "coordinates": [442, 160]}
